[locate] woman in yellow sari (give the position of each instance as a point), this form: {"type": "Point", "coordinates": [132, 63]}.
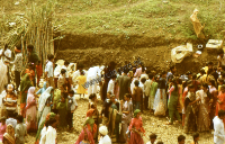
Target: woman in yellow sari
{"type": "Point", "coordinates": [81, 82]}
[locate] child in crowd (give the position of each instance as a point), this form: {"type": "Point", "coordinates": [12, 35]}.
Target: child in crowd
{"type": "Point", "coordinates": [72, 106]}
{"type": "Point", "coordinates": [195, 138]}
{"type": "Point", "coordinates": [138, 96]}
{"type": "Point", "coordinates": [152, 138]}
{"type": "Point", "coordinates": [21, 130]}
{"type": "Point", "coordinates": [39, 71]}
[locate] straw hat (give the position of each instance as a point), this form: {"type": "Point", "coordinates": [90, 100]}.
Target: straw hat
{"type": "Point", "coordinates": [103, 130]}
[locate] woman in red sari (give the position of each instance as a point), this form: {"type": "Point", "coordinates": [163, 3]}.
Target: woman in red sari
{"type": "Point", "coordinates": [89, 128]}
{"type": "Point", "coordinates": [136, 129]}
{"type": "Point", "coordinates": [220, 105]}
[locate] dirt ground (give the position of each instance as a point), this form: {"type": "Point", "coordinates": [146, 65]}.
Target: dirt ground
{"type": "Point", "coordinates": [152, 124]}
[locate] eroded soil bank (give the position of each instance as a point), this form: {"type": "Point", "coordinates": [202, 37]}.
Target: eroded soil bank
{"type": "Point", "coordinates": [155, 52]}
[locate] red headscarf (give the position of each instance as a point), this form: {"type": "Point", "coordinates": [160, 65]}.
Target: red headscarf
{"type": "Point", "coordinates": [90, 112]}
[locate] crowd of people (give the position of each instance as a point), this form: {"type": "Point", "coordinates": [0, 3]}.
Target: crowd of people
{"type": "Point", "coordinates": [194, 100]}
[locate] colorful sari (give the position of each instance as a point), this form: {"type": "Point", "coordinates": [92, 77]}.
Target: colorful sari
{"type": "Point", "coordinates": [43, 109]}
{"type": "Point", "coordinates": [42, 90]}
{"type": "Point", "coordinates": [136, 129]}
{"type": "Point", "coordinates": [89, 127]}
{"type": "Point", "coordinates": [31, 114]}
{"type": "Point", "coordinates": [24, 86]}
{"type": "Point", "coordinates": [203, 122]}
{"type": "Point", "coordinates": [221, 98]}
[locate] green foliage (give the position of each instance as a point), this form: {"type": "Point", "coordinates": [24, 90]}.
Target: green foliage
{"type": "Point", "coordinates": [153, 17]}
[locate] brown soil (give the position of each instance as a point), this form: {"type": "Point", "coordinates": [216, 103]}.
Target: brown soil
{"type": "Point", "coordinates": [155, 52]}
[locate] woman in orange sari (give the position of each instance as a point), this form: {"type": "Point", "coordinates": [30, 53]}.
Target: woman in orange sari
{"type": "Point", "coordinates": [89, 128]}
{"type": "Point", "coordinates": [220, 105]}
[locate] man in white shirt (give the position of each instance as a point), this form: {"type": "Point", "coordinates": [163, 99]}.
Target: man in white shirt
{"type": "Point", "coordinates": [49, 73]}
{"type": "Point", "coordinates": [104, 138]}
{"type": "Point", "coordinates": [111, 85]}
{"type": "Point", "coordinates": [219, 134]}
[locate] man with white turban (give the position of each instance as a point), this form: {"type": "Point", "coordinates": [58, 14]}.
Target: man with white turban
{"type": "Point", "coordinates": [104, 138]}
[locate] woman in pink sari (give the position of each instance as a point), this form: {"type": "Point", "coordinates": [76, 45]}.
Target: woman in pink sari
{"type": "Point", "coordinates": [31, 114]}
{"type": "Point", "coordinates": [89, 129]}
